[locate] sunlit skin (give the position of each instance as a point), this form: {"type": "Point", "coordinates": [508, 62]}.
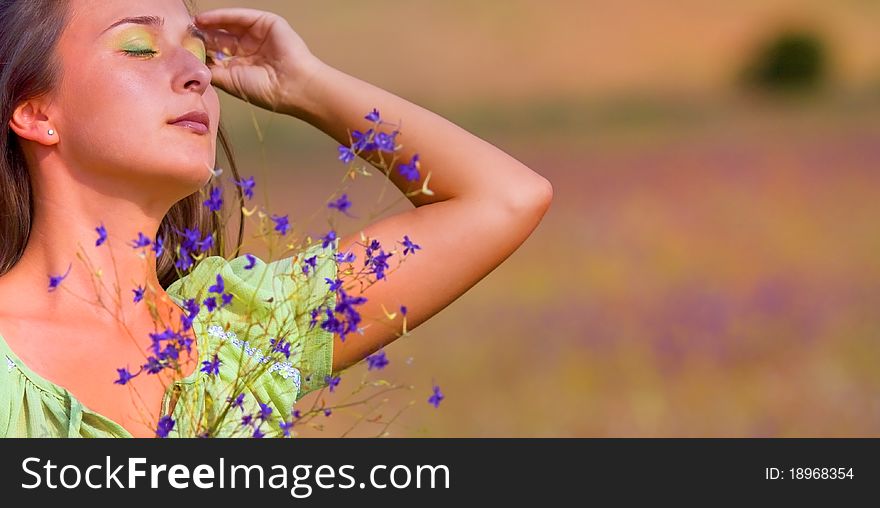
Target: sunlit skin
{"type": "Point", "coordinates": [115, 160]}
{"type": "Point", "coordinates": [113, 151]}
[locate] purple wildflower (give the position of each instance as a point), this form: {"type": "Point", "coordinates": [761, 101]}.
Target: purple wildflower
{"type": "Point", "coordinates": [373, 116]}
{"type": "Point", "coordinates": [345, 154]}
{"type": "Point", "coordinates": [217, 288]}
{"type": "Point", "coordinates": [166, 423]}
{"type": "Point", "coordinates": [210, 303]}
{"type": "Point", "coordinates": [436, 397]}
{"type": "Point", "coordinates": [238, 402]}
{"type": "Point", "coordinates": [265, 411]}
{"type": "Point", "coordinates": [226, 299]}
{"type": "Point", "coordinates": [327, 412]}
{"type": "Point", "coordinates": [215, 202]}
{"type": "Point", "coordinates": [252, 260]}
{"type": "Point", "coordinates": [281, 224]}
{"type": "Point", "coordinates": [409, 246]}
{"type": "Point", "coordinates": [185, 343]}
{"type": "Point", "coordinates": [125, 376]}
{"type": "Point", "coordinates": [169, 353]}
{"type": "Point", "coordinates": [285, 427]}
{"type": "Point", "coordinates": [332, 382]}
{"type": "Point", "coordinates": [380, 264]}
{"type": "Point", "coordinates": [334, 284]}
{"type": "Point", "coordinates": [362, 140]}
{"type": "Point", "coordinates": [190, 243]}
{"type": "Point", "coordinates": [342, 204]}
{"type": "Point", "coordinates": [138, 294]}
{"type": "Point", "coordinates": [54, 281]}
{"type": "Point", "coordinates": [211, 366]}
{"type": "Point", "coordinates": [190, 238]}
{"type": "Point", "coordinates": [377, 361]}
{"type": "Point", "coordinates": [184, 262]}
{"type": "Point", "coordinates": [345, 257]}
{"type": "Point", "coordinates": [141, 241]}
{"type": "Point", "coordinates": [186, 321]}
{"type": "Point", "coordinates": [191, 306]}
{"type": "Point", "coordinates": [206, 242]}
{"type": "Point", "coordinates": [247, 186]}
{"type": "Point", "coordinates": [328, 239]}
{"type": "Point", "coordinates": [411, 169]}
{"type": "Point", "coordinates": [310, 262]}
{"type": "Point", "coordinates": [157, 339]}
{"type": "Point", "coordinates": [280, 346]}
{"type": "Point", "coordinates": [345, 307]}
{"type": "Point", "coordinates": [102, 235]}
{"type": "Point", "coordinates": [374, 246]}
{"type": "Point", "coordinates": [385, 142]}
{"type": "Point", "coordinates": [153, 366]}
{"type": "Point", "coordinates": [403, 309]}
{"type": "Point", "coordinates": [158, 246]}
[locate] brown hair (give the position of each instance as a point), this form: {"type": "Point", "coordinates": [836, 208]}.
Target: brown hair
{"type": "Point", "coordinates": [29, 31]}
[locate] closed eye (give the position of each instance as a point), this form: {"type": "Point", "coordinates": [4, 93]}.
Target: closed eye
{"type": "Point", "coordinates": [140, 52]}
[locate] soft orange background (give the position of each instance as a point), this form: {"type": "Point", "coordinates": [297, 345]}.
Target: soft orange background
{"type": "Point", "coordinates": [710, 265]}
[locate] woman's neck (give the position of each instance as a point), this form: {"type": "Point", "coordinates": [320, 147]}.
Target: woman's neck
{"type": "Point", "coordinates": [100, 281]}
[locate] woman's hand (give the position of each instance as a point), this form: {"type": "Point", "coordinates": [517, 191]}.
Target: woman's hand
{"type": "Point", "coordinates": [257, 57]}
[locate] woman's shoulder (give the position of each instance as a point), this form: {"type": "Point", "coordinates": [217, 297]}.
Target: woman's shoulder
{"type": "Point", "coordinates": [251, 280]}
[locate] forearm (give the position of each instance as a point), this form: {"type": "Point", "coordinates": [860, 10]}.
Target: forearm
{"type": "Point", "coordinates": [461, 165]}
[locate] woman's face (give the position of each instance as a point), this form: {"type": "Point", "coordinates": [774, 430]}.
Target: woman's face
{"type": "Point", "coordinates": [122, 84]}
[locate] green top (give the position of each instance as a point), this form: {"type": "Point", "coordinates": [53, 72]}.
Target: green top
{"type": "Point", "coordinates": [279, 306]}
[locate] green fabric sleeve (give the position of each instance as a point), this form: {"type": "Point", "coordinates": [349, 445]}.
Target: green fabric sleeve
{"type": "Point", "coordinates": [270, 300]}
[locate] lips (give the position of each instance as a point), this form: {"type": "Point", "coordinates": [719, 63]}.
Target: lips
{"type": "Point", "coordinates": [197, 121]}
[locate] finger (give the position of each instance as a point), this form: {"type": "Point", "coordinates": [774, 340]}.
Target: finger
{"type": "Point", "coordinates": [237, 20]}
{"type": "Point", "coordinates": [216, 40]}
{"type": "Point", "coordinates": [221, 78]}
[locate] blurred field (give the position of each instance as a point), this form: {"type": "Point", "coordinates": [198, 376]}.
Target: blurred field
{"type": "Point", "coordinates": [710, 264]}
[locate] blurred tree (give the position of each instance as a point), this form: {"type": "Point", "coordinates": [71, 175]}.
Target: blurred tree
{"type": "Point", "coordinates": [791, 61]}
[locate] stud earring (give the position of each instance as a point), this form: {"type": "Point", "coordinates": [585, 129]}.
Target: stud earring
{"type": "Point", "coordinates": [51, 132]}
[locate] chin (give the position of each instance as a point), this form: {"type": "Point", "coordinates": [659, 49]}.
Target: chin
{"type": "Point", "coordinates": [192, 174]}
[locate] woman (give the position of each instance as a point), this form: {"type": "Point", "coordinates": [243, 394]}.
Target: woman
{"type": "Point", "coordinates": [113, 119]}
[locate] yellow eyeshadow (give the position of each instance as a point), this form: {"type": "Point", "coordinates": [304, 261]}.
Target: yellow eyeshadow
{"type": "Point", "coordinates": [197, 47]}
{"type": "Point", "coordinates": [138, 38]}
{"type": "Point", "coordinates": [134, 38]}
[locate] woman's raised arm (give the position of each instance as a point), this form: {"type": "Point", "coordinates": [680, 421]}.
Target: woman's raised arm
{"type": "Point", "coordinates": [484, 204]}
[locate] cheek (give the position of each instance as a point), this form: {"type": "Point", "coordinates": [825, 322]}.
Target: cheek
{"type": "Point", "coordinates": [212, 102]}
{"type": "Point", "coordinates": [212, 105]}
{"type": "Point", "coordinates": [111, 118]}
{"type": "Point", "coordinates": [100, 100]}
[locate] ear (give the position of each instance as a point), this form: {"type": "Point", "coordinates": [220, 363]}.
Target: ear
{"type": "Point", "coordinates": [30, 121]}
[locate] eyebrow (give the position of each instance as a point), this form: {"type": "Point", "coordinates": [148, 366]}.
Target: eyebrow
{"type": "Point", "coordinates": [155, 21]}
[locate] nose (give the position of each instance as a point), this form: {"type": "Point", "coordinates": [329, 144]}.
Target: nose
{"type": "Point", "coordinates": [194, 76]}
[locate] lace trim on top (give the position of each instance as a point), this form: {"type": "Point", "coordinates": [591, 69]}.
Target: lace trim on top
{"type": "Point", "coordinates": [284, 369]}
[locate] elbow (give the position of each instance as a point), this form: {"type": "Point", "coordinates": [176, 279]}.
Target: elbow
{"type": "Point", "coordinates": [545, 193]}
{"type": "Point", "coordinates": [524, 199]}
{"type": "Point", "coordinates": [532, 198]}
